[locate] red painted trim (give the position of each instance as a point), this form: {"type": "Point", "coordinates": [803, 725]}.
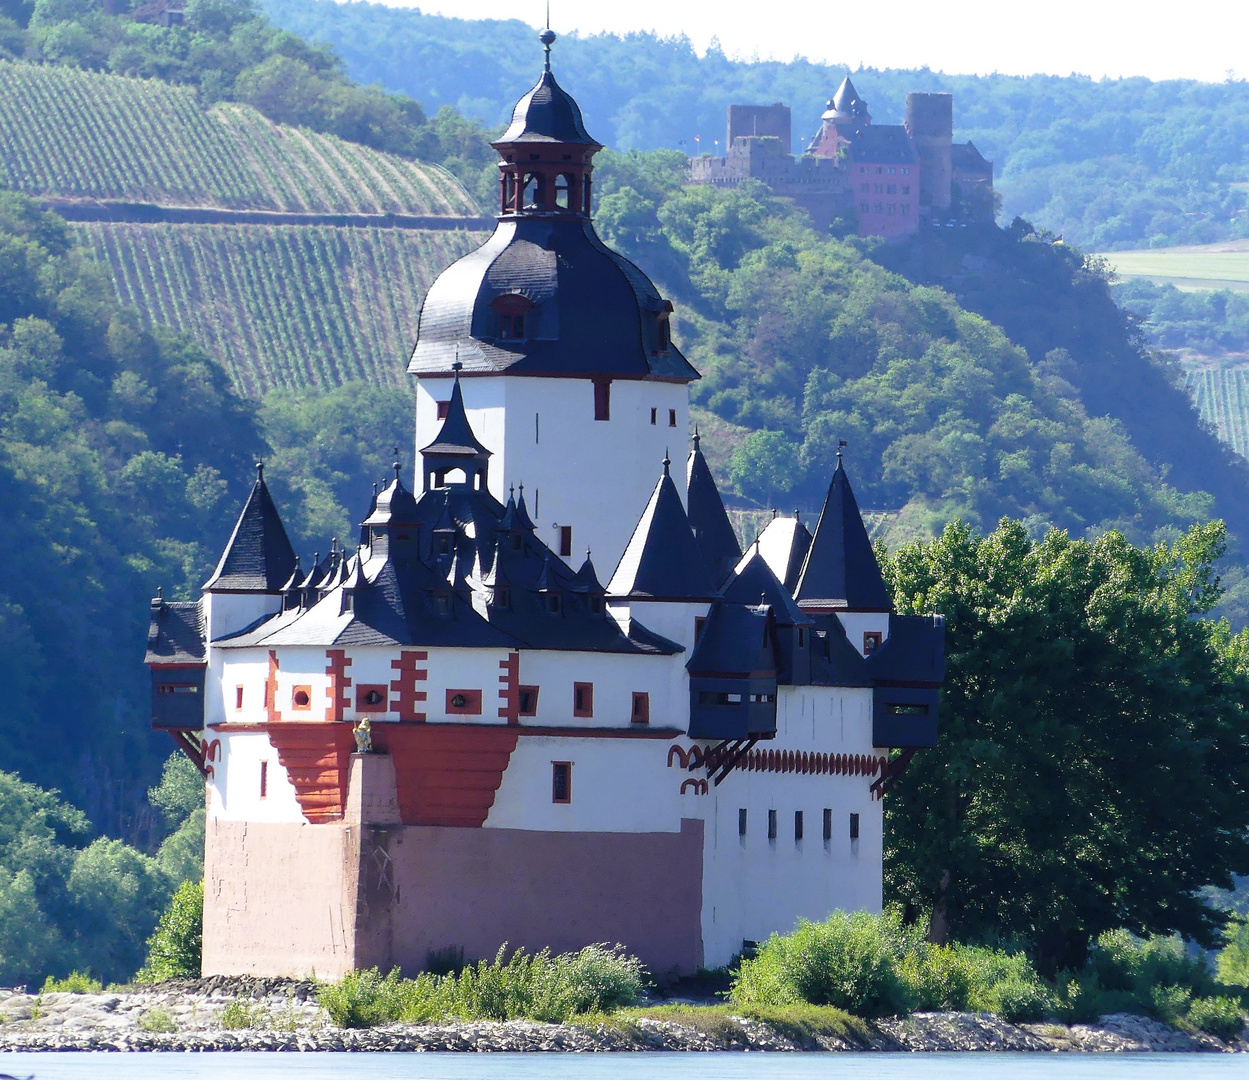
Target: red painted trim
{"type": "Point", "coordinates": [336, 697]}
{"type": "Point", "coordinates": [509, 688]}
{"type": "Point", "coordinates": [363, 690]}
{"type": "Point", "coordinates": [812, 764]}
{"type": "Point", "coordinates": [316, 756]}
{"type": "Point", "coordinates": [177, 667]}
{"type": "Point", "coordinates": [584, 690]}
{"type": "Point", "coordinates": [638, 732]}
{"type": "Point", "coordinates": [271, 690]}
{"type": "Point", "coordinates": [407, 696]}
{"type": "Point", "coordinates": [471, 706]}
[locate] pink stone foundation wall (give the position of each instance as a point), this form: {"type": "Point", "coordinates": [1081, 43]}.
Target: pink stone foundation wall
{"type": "Point", "coordinates": [287, 899]}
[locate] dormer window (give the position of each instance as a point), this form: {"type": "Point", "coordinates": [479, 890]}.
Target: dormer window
{"type": "Point", "coordinates": [512, 309]}
{"type": "Point", "coordinates": [518, 541]}
{"type": "Point", "coordinates": [442, 544]}
{"type": "Point", "coordinates": [443, 605]}
{"type": "Point", "coordinates": [554, 603]}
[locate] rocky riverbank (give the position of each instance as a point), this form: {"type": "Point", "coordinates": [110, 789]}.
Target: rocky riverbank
{"type": "Point", "coordinates": [251, 1014]}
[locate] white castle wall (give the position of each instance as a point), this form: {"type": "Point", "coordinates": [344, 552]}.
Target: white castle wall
{"type": "Point", "coordinates": [615, 678]}
{"type": "Point", "coordinates": [753, 886]}
{"type": "Point", "coordinates": [234, 787]}
{"type": "Point", "coordinates": [595, 475]}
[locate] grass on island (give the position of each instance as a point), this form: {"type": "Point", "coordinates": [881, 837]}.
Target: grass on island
{"type": "Point", "coordinates": [722, 1024]}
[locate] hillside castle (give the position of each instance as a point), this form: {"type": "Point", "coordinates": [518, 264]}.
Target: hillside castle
{"type": "Point", "coordinates": [888, 178]}
{"type": "Point", "coordinates": [449, 738]}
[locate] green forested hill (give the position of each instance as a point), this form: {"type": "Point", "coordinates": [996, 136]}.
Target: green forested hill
{"type": "Point", "coordinates": [1115, 163]}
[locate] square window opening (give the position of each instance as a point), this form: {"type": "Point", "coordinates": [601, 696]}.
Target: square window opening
{"type": "Point", "coordinates": [443, 408]}
{"type": "Point", "coordinates": [371, 697]}
{"type": "Point", "coordinates": [464, 702]}
{"type": "Point", "coordinates": [527, 699]}
{"type": "Point", "coordinates": [871, 641]}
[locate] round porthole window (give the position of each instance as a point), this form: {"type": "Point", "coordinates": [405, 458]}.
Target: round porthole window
{"type": "Point", "coordinates": [459, 701]}
{"type": "Point", "coordinates": [373, 697]}
{"type": "Point", "coordinates": [301, 698]}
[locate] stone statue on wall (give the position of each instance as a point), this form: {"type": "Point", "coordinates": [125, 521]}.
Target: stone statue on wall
{"type": "Point", "coordinates": [363, 732]}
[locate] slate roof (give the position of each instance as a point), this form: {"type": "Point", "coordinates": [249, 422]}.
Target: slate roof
{"type": "Point", "coordinates": [456, 438]}
{"type": "Point", "coordinates": [882, 144]}
{"type": "Point", "coordinates": [784, 543]}
{"type": "Point", "coordinates": [736, 640]}
{"type": "Point", "coordinates": [449, 574]}
{"type": "Point", "coordinates": [846, 103]}
{"type": "Point", "coordinates": [840, 570]}
{"type": "Point", "coordinates": [837, 662]}
{"type": "Point", "coordinates": [712, 529]}
{"type": "Point", "coordinates": [175, 634]}
{"type": "Point", "coordinates": [594, 313]}
{"type": "Point", "coordinates": [547, 114]}
{"type": "Point", "coordinates": [663, 560]}
{"type": "Point", "coordinates": [258, 556]}
{"type": "Point", "coordinates": [753, 582]}
{"type": "Point", "coordinates": [964, 157]}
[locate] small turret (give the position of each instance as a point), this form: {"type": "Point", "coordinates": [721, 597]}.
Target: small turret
{"type": "Point", "coordinates": [456, 449]}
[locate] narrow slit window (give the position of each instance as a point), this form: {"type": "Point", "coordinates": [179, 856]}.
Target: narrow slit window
{"type": "Point", "coordinates": [565, 540]}
{"type": "Point", "coordinates": [797, 825]}
{"type": "Point", "coordinates": [238, 697]}
{"type": "Point", "coordinates": [741, 822]}
{"type": "Point", "coordinates": [264, 779]}
{"type": "Point", "coordinates": [672, 418]}
{"type": "Point", "coordinates": [828, 823]}
{"type": "Point", "coordinates": [583, 699]}
{"type": "Point", "coordinates": [561, 781]}
{"type": "Point", "coordinates": [771, 824]}
{"type": "Point", "coordinates": [563, 185]}
{"type": "Point", "coordinates": [602, 400]}
{"type": "Point", "coordinates": [854, 826]}
{"type": "Point", "coordinates": [654, 417]}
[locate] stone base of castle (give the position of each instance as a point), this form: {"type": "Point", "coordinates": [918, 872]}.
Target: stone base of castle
{"type": "Point", "coordinates": [288, 899]}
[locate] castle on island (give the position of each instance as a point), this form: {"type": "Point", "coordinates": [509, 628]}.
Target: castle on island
{"type": "Point", "coordinates": [458, 733]}
{"type": "Point", "coordinates": [885, 178]}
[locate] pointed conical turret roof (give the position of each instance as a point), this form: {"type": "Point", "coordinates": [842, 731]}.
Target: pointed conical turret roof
{"type": "Point", "coordinates": [663, 560]}
{"type": "Point", "coordinates": [586, 580]}
{"type": "Point", "coordinates": [755, 583]}
{"type": "Point", "coordinates": [840, 571]}
{"type": "Point", "coordinates": [712, 529]}
{"type": "Point", "coordinates": [455, 437]}
{"type": "Point", "coordinates": [522, 513]}
{"type": "Point", "coordinates": [846, 104]}
{"type": "Point", "coordinates": [259, 556]}
{"type": "Point", "coordinates": [395, 505]}
{"type": "Point", "coordinates": [784, 544]}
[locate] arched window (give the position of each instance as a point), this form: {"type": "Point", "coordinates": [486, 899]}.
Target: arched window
{"type": "Point", "coordinates": [585, 195]}
{"type": "Point", "coordinates": [509, 191]}
{"type": "Point", "coordinates": [563, 189]}
{"type": "Point", "coordinates": [533, 197]}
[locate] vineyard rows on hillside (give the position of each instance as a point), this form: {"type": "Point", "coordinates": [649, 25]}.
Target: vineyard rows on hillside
{"type": "Point", "coordinates": [282, 306]}
{"type": "Point", "coordinates": [84, 135]}
{"type": "Point", "coordinates": [1222, 397]}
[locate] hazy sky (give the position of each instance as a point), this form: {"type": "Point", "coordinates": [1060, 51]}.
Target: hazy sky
{"type": "Point", "coordinates": [1199, 39]}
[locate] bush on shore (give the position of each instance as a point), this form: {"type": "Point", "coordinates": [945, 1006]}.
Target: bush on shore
{"type": "Point", "coordinates": [538, 986]}
{"type": "Point", "coordinates": [175, 947]}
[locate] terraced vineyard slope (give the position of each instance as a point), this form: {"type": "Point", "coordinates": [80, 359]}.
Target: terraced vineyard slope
{"type": "Point", "coordinates": [1221, 395]}
{"type": "Point", "coordinates": [80, 135]}
{"type": "Point", "coordinates": [282, 305]}
{"type": "Point", "coordinates": [306, 298]}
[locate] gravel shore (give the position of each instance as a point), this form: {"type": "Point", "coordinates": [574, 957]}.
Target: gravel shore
{"type": "Point", "coordinates": [284, 1016]}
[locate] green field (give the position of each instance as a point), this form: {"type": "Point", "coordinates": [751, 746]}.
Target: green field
{"type": "Point", "coordinates": [282, 305]}
{"type": "Point", "coordinates": [83, 135]}
{"type": "Point", "coordinates": [1212, 266]}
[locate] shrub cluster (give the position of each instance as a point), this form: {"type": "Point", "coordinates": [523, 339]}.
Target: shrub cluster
{"type": "Point", "coordinates": [873, 965]}
{"type": "Point", "coordinates": [538, 986]}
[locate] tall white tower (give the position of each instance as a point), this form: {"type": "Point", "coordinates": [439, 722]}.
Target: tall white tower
{"type": "Point", "coordinates": [570, 377]}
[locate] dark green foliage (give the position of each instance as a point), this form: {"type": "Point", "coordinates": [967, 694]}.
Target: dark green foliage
{"type": "Point", "coordinates": [64, 906]}
{"type": "Point", "coordinates": [1222, 1017]}
{"type": "Point", "coordinates": [1206, 322]}
{"type": "Point", "coordinates": [1052, 300]}
{"type": "Point", "coordinates": [122, 453]}
{"type": "Point", "coordinates": [1117, 162]}
{"type": "Point", "coordinates": [175, 947]}
{"type": "Point", "coordinates": [807, 340]}
{"type": "Point", "coordinates": [1079, 685]}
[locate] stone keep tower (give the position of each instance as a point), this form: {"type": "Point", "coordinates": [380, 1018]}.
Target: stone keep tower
{"type": "Point", "coordinates": [563, 343]}
{"type": "Point", "coordinates": [930, 123]}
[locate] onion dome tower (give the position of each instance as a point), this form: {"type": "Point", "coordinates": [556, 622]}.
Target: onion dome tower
{"type": "Point", "coordinates": [565, 345]}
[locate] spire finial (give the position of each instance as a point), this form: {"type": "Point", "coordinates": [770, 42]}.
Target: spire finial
{"type": "Point", "coordinates": [667, 461]}
{"type": "Point", "coordinates": [697, 438]}
{"type": "Point", "coordinates": [511, 491]}
{"type": "Point", "coordinates": [547, 37]}
{"type": "Point", "coordinates": [840, 444]}
{"type": "Point", "coordinates": [260, 470]}
{"type": "Point", "coordinates": [398, 468]}
{"type": "Point", "coordinates": [457, 365]}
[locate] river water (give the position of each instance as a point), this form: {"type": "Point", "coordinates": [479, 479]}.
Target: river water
{"type": "Point", "coordinates": [634, 1066]}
